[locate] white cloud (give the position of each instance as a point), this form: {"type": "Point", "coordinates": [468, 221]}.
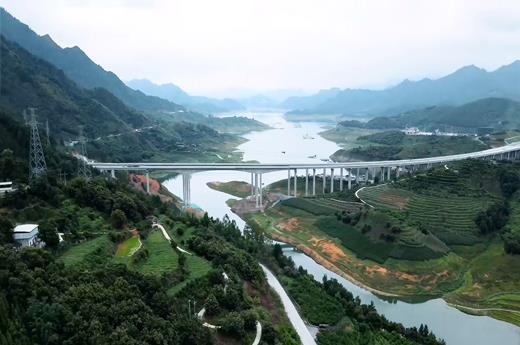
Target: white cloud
{"type": "Point", "coordinates": [209, 46]}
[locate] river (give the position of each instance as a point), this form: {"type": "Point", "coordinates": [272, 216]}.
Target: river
{"type": "Point", "coordinates": [291, 142]}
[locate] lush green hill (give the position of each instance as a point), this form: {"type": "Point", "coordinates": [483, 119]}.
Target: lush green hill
{"type": "Point", "coordinates": [78, 66]}
{"type": "Point", "coordinates": [114, 131]}
{"type": "Point", "coordinates": [464, 85]}
{"type": "Point", "coordinates": [393, 145]}
{"type": "Point", "coordinates": [488, 113]}
{"type": "Point", "coordinates": [30, 81]}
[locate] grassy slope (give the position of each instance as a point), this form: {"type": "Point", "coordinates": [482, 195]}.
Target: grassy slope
{"type": "Point", "coordinates": [236, 188]}
{"type": "Point", "coordinates": [128, 247]}
{"type": "Point", "coordinates": [79, 253]}
{"type": "Point", "coordinates": [365, 144]}
{"type": "Point", "coordinates": [476, 273]}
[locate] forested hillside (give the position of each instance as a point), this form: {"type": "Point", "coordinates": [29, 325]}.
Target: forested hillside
{"type": "Point", "coordinates": [478, 117]}
{"type": "Point", "coordinates": [78, 66]}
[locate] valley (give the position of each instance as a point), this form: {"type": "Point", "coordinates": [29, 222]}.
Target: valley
{"type": "Point", "coordinates": [172, 176]}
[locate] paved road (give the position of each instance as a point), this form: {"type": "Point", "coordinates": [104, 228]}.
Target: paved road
{"type": "Point", "coordinates": [291, 311]}
{"type": "Point", "coordinates": [257, 167]}
{"type": "Point", "coordinates": [167, 236]}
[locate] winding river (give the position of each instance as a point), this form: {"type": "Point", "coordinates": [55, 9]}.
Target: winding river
{"type": "Point", "coordinates": [291, 142]}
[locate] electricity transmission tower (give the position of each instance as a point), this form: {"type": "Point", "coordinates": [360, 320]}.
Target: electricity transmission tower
{"type": "Point", "coordinates": [37, 164]}
{"type": "Point", "coordinates": [48, 132]}
{"type": "Point", "coordinates": [83, 168]}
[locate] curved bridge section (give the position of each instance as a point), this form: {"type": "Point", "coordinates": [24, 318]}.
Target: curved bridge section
{"type": "Point", "coordinates": [347, 172]}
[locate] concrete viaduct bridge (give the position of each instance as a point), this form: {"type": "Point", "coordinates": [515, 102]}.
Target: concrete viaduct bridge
{"type": "Point", "coordinates": [347, 172]}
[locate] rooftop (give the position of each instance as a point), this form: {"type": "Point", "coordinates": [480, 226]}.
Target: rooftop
{"type": "Point", "coordinates": [25, 227]}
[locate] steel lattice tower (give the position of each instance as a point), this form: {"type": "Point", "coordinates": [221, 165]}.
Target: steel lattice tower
{"type": "Point", "coordinates": [37, 164]}
{"type": "Point", "coordinates": [83, 168]}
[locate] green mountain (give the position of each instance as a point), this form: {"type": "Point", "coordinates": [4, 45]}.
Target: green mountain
{"type": "Point", "coordinates": [491, 113]}
{"type": "Point", "coordinates": [464, 85]}
{"type": "Point", "coordinates": [30, 81]}
{"type": "Point", "coordinates": [114, 131]}
{"type": "Point", "coordinates": [175, 94]}
{"type": "Point", "coordinates": [78, 66]}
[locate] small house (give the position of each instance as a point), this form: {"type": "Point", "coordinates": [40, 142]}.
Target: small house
{"type": "Point", "coordinates": [27, 235]}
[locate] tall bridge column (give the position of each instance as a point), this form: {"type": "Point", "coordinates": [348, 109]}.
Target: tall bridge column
{"type": "Point", "coordinates": [332, 180]}
{"type": "Point", "coordinates": [306, 182]}
{"type": "Point", "coordinates": [324, 180]}
{"type": "Point", "coordinates": [257, 194]}
{"type": "Point", "coordinates": [261, 191]}
{"type": "Point", "coordinates": [313, 181]}
{"type": "Point", "coordinates": [373, 175]}
{"type": "Point", "coordinates": [113, 173]}
{"type": "Point", "coordinates": [340, 179]}
{"type": "Point", "coordinates": [357, 175]}
{"type": "Point", "coordinates": [289, 182]}
{"type": "Point", "coordinates": [147, 182]}
{"type": "Point", "coordinates": [252, 185]}
{"type": "Point", "coordinates": [186, 192]}
{"type": "Point", "coordinates": [349, 186]}
{"type": "Point", "coordinates": [388, 173]}
{"type": "Point", "coordinates": [397, 171]}
{"type": "Point", "coordinates": [295, 182]}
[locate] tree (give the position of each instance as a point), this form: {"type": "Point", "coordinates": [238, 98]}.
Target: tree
{"type": "Point", "coordinates": [232, 323]}
{"type": "Point", "coordinates": [6, 230]}
{"type": "Point", "coordinates": [118, 219]}
{"type": "Point", "coordinates": [212, 305]}
{"type": "Point", "coordinates": [48, 233]}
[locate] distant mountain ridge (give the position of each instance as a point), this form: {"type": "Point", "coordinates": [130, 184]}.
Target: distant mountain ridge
{"type": "Point", "coordinates": [177, 95]}
{"type": "Point", "coordinates": [77, 65]}
{"type": "Point", "coordinates": [465, 85]}
{"type": "Point", "coordinates": [487, 113]}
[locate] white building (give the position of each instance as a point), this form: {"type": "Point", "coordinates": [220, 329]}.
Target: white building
{"type": "Point", "coordinates": [27, 235]}
{"type": "Point", "coordinates": [6, 187]}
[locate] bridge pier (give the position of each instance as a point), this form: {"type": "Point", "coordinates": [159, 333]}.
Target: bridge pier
{"type": "Point", "coordinates": [186, 190]}
{"type": "Point", "coordinates": [324, 180]}
{"type": "Point", "coordinates": [113, 173]}
{"type": "Point", "coordinates": [332, 180]}
{"type": "Point", "coordinates": [148, 182]}
{"type": "Point", "coordinates": [313, 181]}
{"type": "Point", "coordinates": [289, 182]}
{"type": "Point", "coordinates": [388, 173]}
{"type": "Point", "coordinates": [397, 172]}
{"type": "Point", "coordinates": [306, 182]}
{"type": "Point", "coordinates": [261, 191]}
{"type": "Point", "coordinates": [340, 179]}
{"type": "Point", "coordinates": [295, 182]}
{"type": "Point", "coordinates": [252, 186]}
{"type": "Point", "coordinates": [349, 186]}
{"type": "Point", "coordinates": [357, 175]}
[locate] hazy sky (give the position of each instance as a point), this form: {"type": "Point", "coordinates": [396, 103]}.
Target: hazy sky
{"type": "Point", "coordinates": [217, 47]}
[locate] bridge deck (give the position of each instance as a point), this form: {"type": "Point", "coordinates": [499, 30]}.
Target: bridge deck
{"type": "Point", "coordinates": [266, 167]}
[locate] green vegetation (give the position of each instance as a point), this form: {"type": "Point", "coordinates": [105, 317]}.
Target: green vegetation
{"type": "Point", "coordinates": [479, 117]}
{"type": "Point", "coordinates": [82, 252]}
{"type": "Point", "coordinates": [393, 145]}
{"type": "Point", "coordinates": [239, 189]}
{"type": "Point", "coordinates": [345, 319]}
{"type": "Point", "coordinates": [444, 232]}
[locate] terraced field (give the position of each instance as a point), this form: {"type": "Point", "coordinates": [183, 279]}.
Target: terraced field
{"type": "Point", "coordinates": [449, 216]}
{"type": "Point", "coordinates": [322, 206]}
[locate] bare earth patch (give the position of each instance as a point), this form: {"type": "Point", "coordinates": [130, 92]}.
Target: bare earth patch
{"type": "Point", "coordinates": [290, 224]}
